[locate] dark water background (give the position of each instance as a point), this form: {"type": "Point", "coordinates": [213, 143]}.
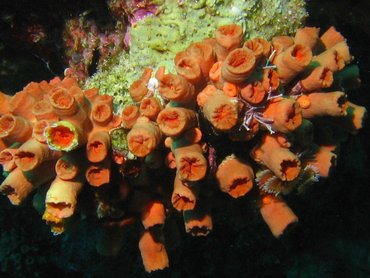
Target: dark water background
{"type": "Point", "coordinates": [332, 240]}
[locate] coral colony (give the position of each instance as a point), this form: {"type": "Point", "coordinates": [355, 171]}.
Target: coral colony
{"type": "Point", "coordinates": [262, 115]}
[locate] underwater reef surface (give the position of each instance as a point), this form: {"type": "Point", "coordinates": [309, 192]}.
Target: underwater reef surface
{"type": "Point", "coordinates": [332, 238]}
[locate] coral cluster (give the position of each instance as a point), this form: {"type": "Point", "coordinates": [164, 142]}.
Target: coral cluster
{"type": "Point", "coordinates": [44, 128]}
{"type": "Point", "coordinates": [237, 116]}
{"type": "Point", "coordinates": [155, 39]}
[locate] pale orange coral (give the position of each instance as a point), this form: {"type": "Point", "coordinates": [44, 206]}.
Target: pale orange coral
{"type": "Point", "coordinates": [277, 215]}
{"type": "Point", "coordinates": [144, 137]}
{"type": "Point", "coordinates": [292, 61]}
{"type": "Point", "coordinates": [173, 121]}
{"type": "Point", "coordinates": [234, 176]}
{"type": "Point", "coordinates": [228, 37]}
{"type": "Point", "coordinates": [238, 65]}
{"type": "Point", "coordinates": [153, 252]}
{"type": "Point", "coordinates": [273, 152]}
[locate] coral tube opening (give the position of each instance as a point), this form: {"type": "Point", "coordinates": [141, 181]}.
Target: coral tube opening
{"type": "Point", "coordinates": [97, 147]}
{"type": "Point", "coordinates": [38, 130]}
{"type": "Point", "coordinates": [238, 65]}
{"type": "Point", "coordinates": [182, 202]}
{"type": "Point", "coordinates": [7, 159]}
{"type": "Point", "coordinates": [14, 129]}
{"type": "Point", "coordinates": [62, 136]}
{"type": "Point", "coordinates": [66, 169]}
{"type": "Point", "coordinates": [63, 103]}
{"type": "Point", "coordinates": [7, 122]}
{"type": "Point", "coordinates": [171, 119]}
{"type": "Point", "coordinates": [299, 52]}
{"type": "Point", "coordinates": [101, 113]}
{"type": "Point", "coordinates": [97, 175]}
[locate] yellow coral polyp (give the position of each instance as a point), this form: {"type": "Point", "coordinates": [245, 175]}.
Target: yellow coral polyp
{"type": "Point", "coordinates": [62, 136]}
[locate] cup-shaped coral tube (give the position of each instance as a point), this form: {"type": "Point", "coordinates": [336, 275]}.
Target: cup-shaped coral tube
{"type": "Point", "coordinates": [190, 162]}
{"type": "Point", "coordinates": [144, 137]}
{"type": "Point", "coordinates": [153, 251]}
{"type": "Point", "coordinates": [91, 94]}
{"type": "Point", "coordinates": [206, 93]}
{"type": "Point", "coordinates": [61, 198]}
{"type": "Point", "coordinates": [331, 37]}
{"type": "Point", "coordinates": [320, 77]}
{"type": "Point", "coordinates": [150, 107]}
{"type": "Point", "coordinates": [101, 113]}
{"type": "Point", "coordinates": [270, 80]}
{"type": "Point", "coordinates": [285, 113]}
{"type": "Point", "coordinates": [276, 214]}
{"type": "Point", "coordinates": [332, 104]}
{"type": "Point", "coordinates": [256, 47]}
{"type": "Point", "coordinates": [18, 184]}
{"type": "Point", "coordinates": [130, 114]}
{"type": "Point", "coordinates": [292, 61]}
{"type": "Point", "coordinates": [343, 51]}
{"type": "Point", "coordinates": [63, 103]}
{"type": "Point", "coordinates": [188, 68]}
{"type": "Point", "coordinates": [32, 153]}
{"type": "Point", "coordinates": [355, 118]}
{"type": "Point", "coordinates": [330, 59]}
{"type": "Point", "coordinates": [308, 36]}
{"type": "Point", "coordinates": [221, 111]}
{"type": "Point", "coordinates": [238, 65]}
{"type": "Point", "coordinates": [173, 121]}
{"type": "Point", "coordinates": [183, 197]}
{"type": "Point", "coordinates": [138, 90]}
{"type": "Point", "coordinates": [230, 89]}
{"type": "Point", "coordinates": [273, 152]}
{"type": "Point", "coordinates": [98, 146]}
{"type": "Point", "coordinates": [215, 74]}
{"type": "Point", "coordinates": [14, 129]}
{"type": "Point", "coordinates": [57, 225]}
{"type": "Point", "coordinates": [253, 93]}
{"type": "Point", "coordinates": [39, 128]}
{"type": "Point", "coordinates": [98, 174]}
{"type": "Point", "coordinates": [228, 37]}
{"type": "Point", "coordinates": [67, 167]}
{"type": "Point", "coordinates": [4, 103]}
{"type": "Point", "coordinates": [63, 136]}
{"type": "Point", "coordinates": [16, 187]}
{"type": "Point", "coordinates": [234, 176]}
{"type": "Point", "coordinates": [203, 53]}
{"type": "Point", "coordinates": [281, 43]}
{"type": "Point", "coordinates": [176, 88]}
{"type": "Point", "coordinates": [154, 213]}
{"type": "Point", "coordinates": [7, 159]}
